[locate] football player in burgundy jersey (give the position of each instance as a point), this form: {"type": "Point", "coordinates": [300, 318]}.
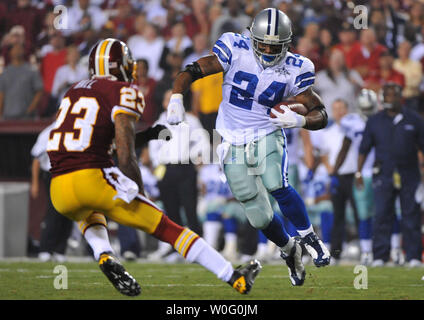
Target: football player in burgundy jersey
{"type": "Point", "coordinates": [87, 186]}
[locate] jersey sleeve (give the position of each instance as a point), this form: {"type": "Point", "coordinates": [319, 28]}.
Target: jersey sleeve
{"type": "Point", "coordinates": [127, 99]}
{"type": "Point", "coordinates": [305, 77]}
{"type": "Point", "coordinates": [223, 50]}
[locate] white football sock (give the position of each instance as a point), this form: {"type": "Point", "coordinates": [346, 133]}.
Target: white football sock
{"type": "Point", "coordinates": [203, 254]}
{"type": "Point", "coordinates": [289, 245]}
{"type": "Point", "coordinates": [366, 245]}
{"type": "Point", "coordinates": [395, 240]}
{"type": "Point", "coordinates": [98, 239]}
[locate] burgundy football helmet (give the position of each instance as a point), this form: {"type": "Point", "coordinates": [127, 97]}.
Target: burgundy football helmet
{"type": "Point", "coordinates": [112, 58]}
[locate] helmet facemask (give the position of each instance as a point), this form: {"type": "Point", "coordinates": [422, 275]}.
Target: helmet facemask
{"type": "Point", "coordinates": [128, 66]}
{"type": "Point", "coordinates": [277, 51]}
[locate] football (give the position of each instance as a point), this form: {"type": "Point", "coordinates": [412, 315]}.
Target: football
{"type": "Point", "coordinates": [296, 107]}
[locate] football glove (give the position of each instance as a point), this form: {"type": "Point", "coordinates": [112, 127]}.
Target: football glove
{"type": "Point", "coordinates": [176, 112]}
{"type": "Point", "coordinates": [288, 119]}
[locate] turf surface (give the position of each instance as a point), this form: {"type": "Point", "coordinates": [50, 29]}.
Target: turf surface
{"type": "Point", "coordinates": [34, 280]}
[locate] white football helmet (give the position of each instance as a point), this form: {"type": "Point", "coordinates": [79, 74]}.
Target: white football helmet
{"type": "Point", "coordinates": [367, 102]}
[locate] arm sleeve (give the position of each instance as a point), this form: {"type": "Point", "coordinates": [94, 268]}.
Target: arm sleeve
{"type": "Point", "coordinates": [222, 49]}
{"type": "Point", "coordinates": [305, 77]}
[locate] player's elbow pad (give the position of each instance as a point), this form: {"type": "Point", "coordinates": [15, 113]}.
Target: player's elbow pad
{"type": "Point", "coordinates": [194, 70]}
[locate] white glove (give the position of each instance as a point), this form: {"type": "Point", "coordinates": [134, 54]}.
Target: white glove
{"type": "Point", "coordinates": [176, 111]}
{"type": "Point", "coordinates": [288, 119]}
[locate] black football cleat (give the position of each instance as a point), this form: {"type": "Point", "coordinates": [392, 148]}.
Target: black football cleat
{"type": "Point", "coordinates": [118, 276]}
{"type": "Point", "coordinates": [244, 276]}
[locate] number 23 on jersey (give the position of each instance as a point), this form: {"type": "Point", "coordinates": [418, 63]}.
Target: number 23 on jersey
{"type": "Point", "coordinates": [84, 125]}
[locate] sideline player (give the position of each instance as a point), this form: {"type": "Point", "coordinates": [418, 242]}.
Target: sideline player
{"type": "Point", "coordinates": [353, 125]}
{"type": "Point", "coordinates": [259, 72]}
{"type": "Point", "coordinates": [86, 186]}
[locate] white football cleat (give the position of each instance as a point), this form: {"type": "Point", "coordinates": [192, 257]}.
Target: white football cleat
{"type": "Point", "coordinates": [316, 248]}
{"type": "Point", "coordinates": [414, 263]}
{"type": "Point", "coordinates": [366, 258]}
{"type": "Point", "coordinates": [397, 256]}
{"type": "Point", "coordinates": [292, 254]}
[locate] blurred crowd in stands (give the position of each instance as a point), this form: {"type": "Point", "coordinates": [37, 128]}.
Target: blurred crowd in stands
{"type": "Point", "coordinates": [45, 45]}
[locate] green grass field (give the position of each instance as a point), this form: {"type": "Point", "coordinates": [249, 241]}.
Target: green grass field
{"type": "Point", "coordinates": [34, 280]}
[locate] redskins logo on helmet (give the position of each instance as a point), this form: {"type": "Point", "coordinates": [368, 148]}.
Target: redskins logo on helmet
{"type": "Point", "coordinates": [112, 58]}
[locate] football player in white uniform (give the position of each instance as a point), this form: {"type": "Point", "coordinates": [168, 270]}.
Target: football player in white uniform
{"type": "Point", "coordinates": [259, 72]}
{"type": "Point", "coordinates": [353, 125]}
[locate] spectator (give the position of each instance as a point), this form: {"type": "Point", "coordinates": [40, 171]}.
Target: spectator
{"type": "Point", "coordinates": [417, 52]}
{"type": "Point", "coordinates": [53, 60]}
{"type": "Point", "coordinates": [413, 74]}
{"type": "Point", "coordinates": [311, 33]}
{"type": "Point", "coordinates": [88, 40]}
{"type": "Point", "coordinates": [179, 43]}
{"type": "Point", "coordinates": [124, 20]}
{"type": "Point", "coordinates": [197, 20]}
{"type": "Point", "coordinates": [338, 82]}
{"type": "Point", "coordinates": [24, 14]}
{"type": "Point", "coordinates": [149, 45]}
{"type": "Point", "coordinates": [348, 43]}
{"type": "Point", "coordinates": [84, 16]}
{"type": "Point", "coordinates": [47, 32]}
{"type": "Point", "coordinates": [365, 57]}
{"type": "Point", "coordinates": [378, 77]}
{"type": "Point", "coordinates": [416, 19]}
{"type": "Point", "coordinates": [156, 13]}
{"type": "Point", "coordinates": [175, 61]}
{"type": "Point", "coordinates": [68, 74]}
{"type": "Point", "coordinates": [325, 47]}
{"type": "Point", "coordinates": [147, 86]}
{"type": "Point", "coordinates": [56, 228]}
{"type": "Point", "coordinates": [234, 15]}
{"type": "Point", "coordinates": [214, 13]}
{"type": "Point", "coordinates": [397, 134]}
{"type": "Point", "coordinates": [21, 87]}
{"type": "Point", "coordinates": [200, 49]}
{"type": "Point", "coordinates": [16, 35]}
{"type": "Point", "coordinates": [341, 180]}
{"type": "Point", "coordinates": [395, 25]}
